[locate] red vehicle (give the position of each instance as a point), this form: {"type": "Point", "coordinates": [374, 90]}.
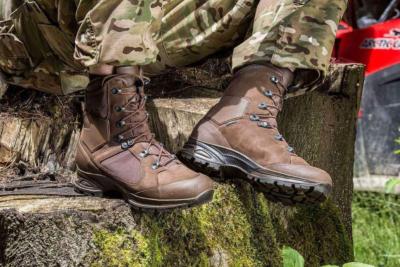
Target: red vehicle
{"type": "Point", "coordinates": [376, 45]}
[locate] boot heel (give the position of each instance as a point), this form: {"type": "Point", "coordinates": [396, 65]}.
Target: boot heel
{"type": "Point", "coordinates": [83, 186]}
{"type": "Point", "coordinates": [86, 186]}
{"type": "Point", "coordinates": [201, 158]}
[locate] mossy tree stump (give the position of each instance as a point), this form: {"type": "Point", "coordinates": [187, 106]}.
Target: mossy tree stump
{"type": "Point", "coordinates": [239, 228]}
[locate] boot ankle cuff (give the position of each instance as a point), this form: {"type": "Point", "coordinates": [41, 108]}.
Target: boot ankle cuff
{"type": "Point", "coordinates": [132, 70]}
{"type": "Point", "coordinates": [286, 74]}
{"type": "Point", "coordinates": [101, 70]}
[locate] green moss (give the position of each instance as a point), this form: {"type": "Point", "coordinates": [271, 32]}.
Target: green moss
{"type": "Point", "coordinates": [122, 248]}
{"type": "Point", "coordinates": [239, 228]}
{"type": "Point", "coordinates": [227, 228]}
{"type": "Point", "coordinates": [318, 233]}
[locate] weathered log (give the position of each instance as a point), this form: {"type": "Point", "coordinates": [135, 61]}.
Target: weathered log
{"type": "Point", "coordinates": [3, 85]}
{"type": "Point", "coordinates": [239, 228]}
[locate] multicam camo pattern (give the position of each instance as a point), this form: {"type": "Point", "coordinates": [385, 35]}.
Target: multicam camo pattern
{"type": "Point", "coordinates": [294, 34]}
{"type": "Point", "coordinates": [119, 32]}
{"type": "Point", "coordinates": [297, 34]}
{"type": "Point", "coordinates": [192, 30]}
{"type": "Point", "coordinates": [37, 45]}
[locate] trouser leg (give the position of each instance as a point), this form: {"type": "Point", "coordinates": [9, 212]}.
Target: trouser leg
{"type": "Point", "coordinates": [191, 30]}
{"type": "Point", "coordinates": [294, 34]}
{"type": "Point", "coordinates": [119, 33]}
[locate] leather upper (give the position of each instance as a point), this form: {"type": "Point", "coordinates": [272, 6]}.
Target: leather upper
{"type": "Point", "coordinates": [244, 120]}
{"type": "Point", "coordinates": [116, 142]}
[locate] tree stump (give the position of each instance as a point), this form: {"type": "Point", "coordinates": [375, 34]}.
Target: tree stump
{"type": "Point", "coordinates": [43, 222]}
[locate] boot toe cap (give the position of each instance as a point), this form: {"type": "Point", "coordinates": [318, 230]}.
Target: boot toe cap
{"type": "Point", "coordinates": [306, 173]}
{"type": "Point", "coordinates": [190, 188]}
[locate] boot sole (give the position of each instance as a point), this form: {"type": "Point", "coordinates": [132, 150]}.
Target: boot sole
{"type": "Point", "coordinates": [220, 162]}
{"type": "Point", "coordinates": [98, 185]}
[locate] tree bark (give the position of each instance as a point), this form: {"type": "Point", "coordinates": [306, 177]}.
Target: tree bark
{"type": "Point", "coordinates": [239, 228]}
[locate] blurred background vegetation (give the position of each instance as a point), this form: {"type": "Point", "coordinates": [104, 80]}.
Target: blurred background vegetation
{"type": "Point", "coordinates": [376, 228]}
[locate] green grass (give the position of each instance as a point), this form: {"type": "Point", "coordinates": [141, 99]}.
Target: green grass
{"type": "Point", "coordinates": [376, 229]}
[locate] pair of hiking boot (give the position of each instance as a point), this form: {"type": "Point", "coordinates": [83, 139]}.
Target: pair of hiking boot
{"type": "Point", "coordinates": [118, 153]}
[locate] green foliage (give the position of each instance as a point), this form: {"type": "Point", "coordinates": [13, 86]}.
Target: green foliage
{"type": "Point", "coordinates": [351, 264]}
{"type": "Point", "coordinates": [356, 264]}
{"type": "Point", "coordinates": [292, 258]}
{"type": "Point", "coordinates": [397, 152]}
{"type": "Point", "coordinates": [391, 185]}
{"type": "Point", "coordinates": [376, 230]}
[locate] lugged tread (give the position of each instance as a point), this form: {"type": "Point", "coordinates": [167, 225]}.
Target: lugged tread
{"type": "Point", "coordinates": [278, 191]}
{"type": "Point", "coordinates": [204, 198]}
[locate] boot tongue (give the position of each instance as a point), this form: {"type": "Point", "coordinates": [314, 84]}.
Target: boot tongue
{"type": "Point", "coordinates": [254, 79]}
{"type": "Point", "coordinates": [285, 76]}
{"type": "Point", "coordinates": [135, 102]}
{"type": "Point", "coordinates": [140, 130]}
{"type": "Point", "coordinates": [140, 127]}
{"type": "Point", "coordinates": [265, 86]}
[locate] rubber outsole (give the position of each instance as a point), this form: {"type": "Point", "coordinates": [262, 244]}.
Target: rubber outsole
{"type": "Point", "coordinates": [223, 163]}
{"type": "Point", "coordinates": [87, 186]}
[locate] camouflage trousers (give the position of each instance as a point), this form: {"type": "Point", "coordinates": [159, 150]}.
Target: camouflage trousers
{"type": "Point", "coordinates": [46, 42]}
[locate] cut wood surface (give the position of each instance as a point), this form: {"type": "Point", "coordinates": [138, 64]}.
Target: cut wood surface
{"type": "Point", "coordinates": [239, 228]}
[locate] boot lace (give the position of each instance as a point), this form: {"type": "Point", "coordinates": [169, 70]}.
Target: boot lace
{"type": "Point", "coordinates": [272, 110]}
{"type": "Point", "coordinates": [138, 130]}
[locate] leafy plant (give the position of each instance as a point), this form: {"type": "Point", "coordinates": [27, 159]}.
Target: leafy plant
{"type": "Point", "coordinates": [292, 258]}
{"type": "Point", "coordinates": [391, 185]}
{"type": "Point", "coordinates": [397, 152]}
{"type": "Point", "coordinates": [376, 230]}
{"type": "Point", "coordinates": [356, 264]}
{"type": "Point", "coordinates": [351, 264]}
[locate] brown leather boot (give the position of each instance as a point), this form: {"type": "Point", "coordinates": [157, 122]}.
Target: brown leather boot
{"type": "Point", "coordinates": [118, 153]}
{"type": "Point", "coordinates": [240, 134]}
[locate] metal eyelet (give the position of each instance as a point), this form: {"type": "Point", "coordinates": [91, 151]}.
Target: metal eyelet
{"type": "Point", "coordinates": [116, 91]}
{"type": "Point", "coordinates": [127, 144]}
{"type": "Point", "coordinates": [144, 153]}
{"type": "Point", "coordinates": [121, 124]}
{"type": "Point", "coordinates": [268, 93]}
{"type": "Point", "coordinates": [121, 138]}
{"type": "Point", "coordinates": [254, 117]}
{"type": "Point", "coordinates": [124, 145]}
{"type": "Point", "coordinates": [146, 81]}
{"type": "Point", "coordinates": [291, 149]}
{"type": "Point", "coordinates": [264, 124]}
{"type": "Point", "coordinates": [274, 79]}
{"type": "Point", "coordinates": [263, 105]}
{"type": "Point", "coordinates": [139, 83]}
{"type": "Point", "coordinates": [279, 137]}
{"type": "Point", "coordinates": [155, 165]}
{"type": "Point", "coordinates": [119, 109]}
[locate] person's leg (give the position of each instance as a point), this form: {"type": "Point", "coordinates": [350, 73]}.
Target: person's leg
{"type": "Point", "coordinates": [192, 30]}
{"type": "Point", "coordinates": [290, 38]}
{"type": "Point", "coordinates": [118, 33]}
{"type": "Point", "coordinates": [117, 151]}
{"type": "Point", "coordinates": [37, 44]}
{"type": "Point", "coordinates": [295, 34]}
